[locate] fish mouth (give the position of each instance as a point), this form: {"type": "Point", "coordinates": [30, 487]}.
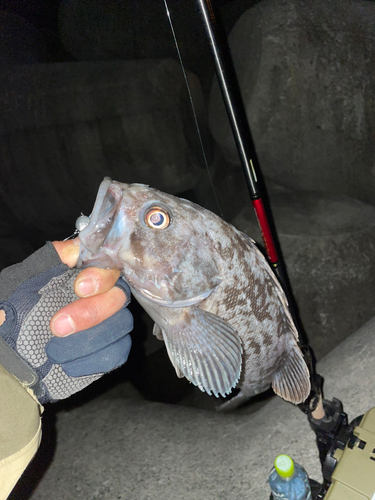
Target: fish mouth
{"type": "Point", "coordinates": [103, 222]}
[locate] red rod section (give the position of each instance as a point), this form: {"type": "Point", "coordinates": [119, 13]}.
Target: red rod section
{"type": "Point", "coordinates": [266, 231]}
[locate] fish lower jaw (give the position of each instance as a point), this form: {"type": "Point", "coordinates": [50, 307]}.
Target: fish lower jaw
{"type": "Point", "coordinates": [169, 302]}
{"type": "Point", "coordinates": [152, 296]}
{"type": "Point", "coordinates": [143, 287]}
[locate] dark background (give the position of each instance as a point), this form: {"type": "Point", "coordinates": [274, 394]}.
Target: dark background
{"type": "Point", "coordinates": [95, 88]}
{"type": "Point", "coordinates": [90, 88]}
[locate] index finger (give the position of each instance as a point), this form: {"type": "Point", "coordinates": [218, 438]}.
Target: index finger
{"type": "Point", "coordinates": [68, 251]}
{"type": "Point", "coordinates": [93, 281]}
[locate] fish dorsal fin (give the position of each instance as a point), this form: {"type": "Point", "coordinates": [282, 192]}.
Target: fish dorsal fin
{"type": "Point", "coordinates": [249, 239]}
{"type": "Point", "coordinates": [292, 380]}
{"type": "Point", "coordinates": [206, 350]}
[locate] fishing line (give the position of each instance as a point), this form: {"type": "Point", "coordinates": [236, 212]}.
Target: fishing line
{"type": "Point", "coordinates": [192, 106]}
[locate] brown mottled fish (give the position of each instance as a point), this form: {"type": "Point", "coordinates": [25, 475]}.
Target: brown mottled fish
{"type": "Point", "coordinates": [215, 301]}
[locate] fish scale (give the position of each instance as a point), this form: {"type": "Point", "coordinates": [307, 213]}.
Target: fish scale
{"type": "Point", "coordinates": [215, 301]}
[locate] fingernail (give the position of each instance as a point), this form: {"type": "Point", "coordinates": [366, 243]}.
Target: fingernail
{"type": "Point", "coordinates": [87, 286]}
{"type": "Point", "coordinates": [63, 325]}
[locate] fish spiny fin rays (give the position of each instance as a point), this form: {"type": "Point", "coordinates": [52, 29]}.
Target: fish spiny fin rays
{"type": "Point", "coordinates": [206, 350]}
{"type": "Point", "coordinates": [292, 381]}
{"type": "Point", "coordinates": [158, 332]}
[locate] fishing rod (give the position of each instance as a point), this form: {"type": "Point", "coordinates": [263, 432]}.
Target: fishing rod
{"type": "Point", "coordinates": [327, 418]}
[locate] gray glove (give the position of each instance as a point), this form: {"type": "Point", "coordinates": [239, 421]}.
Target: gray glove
{"type": "Point", "coordinates": [55, 367]}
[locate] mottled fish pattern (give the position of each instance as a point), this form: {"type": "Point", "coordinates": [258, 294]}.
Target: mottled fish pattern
{"type": "Point", "coordinates": [214, 299]}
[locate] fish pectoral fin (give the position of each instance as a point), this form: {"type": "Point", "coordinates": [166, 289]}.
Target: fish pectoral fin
{"type": "Point", "coordinates": [292, 381]}
{"type": "Point", "coordinates": [158, 332]}
{"type": "Point", "coordinates": [206, 350]}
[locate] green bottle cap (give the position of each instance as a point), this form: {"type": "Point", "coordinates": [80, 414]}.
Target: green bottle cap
{"type": "Point", "coordinates": [284, 466]}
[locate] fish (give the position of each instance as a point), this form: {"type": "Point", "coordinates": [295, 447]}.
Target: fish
{"type": "Point", "coordinates": [215, 301]}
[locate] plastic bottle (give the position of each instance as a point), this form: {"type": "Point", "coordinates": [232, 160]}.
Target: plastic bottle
{"type": "Point", "coordinates": [289, 480]}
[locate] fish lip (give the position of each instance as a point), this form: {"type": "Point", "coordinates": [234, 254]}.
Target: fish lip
{"type": "Point", "coordinates": [84, 255]}
{"type": "Point", "coordinates": [106, 187]}
{"type": "Point", "coordinates": [189, 302]}
{"type": "Point", "coordinates": [90, 257]}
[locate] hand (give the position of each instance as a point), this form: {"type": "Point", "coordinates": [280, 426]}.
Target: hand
{"type": "Point", "coordinates": [100, 299]}
{"type": "Point", "coordinates": [39, 293]}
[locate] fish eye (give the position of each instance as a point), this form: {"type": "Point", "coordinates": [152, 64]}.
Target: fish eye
{"type": "Point", "coordinates": [157, 218]}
